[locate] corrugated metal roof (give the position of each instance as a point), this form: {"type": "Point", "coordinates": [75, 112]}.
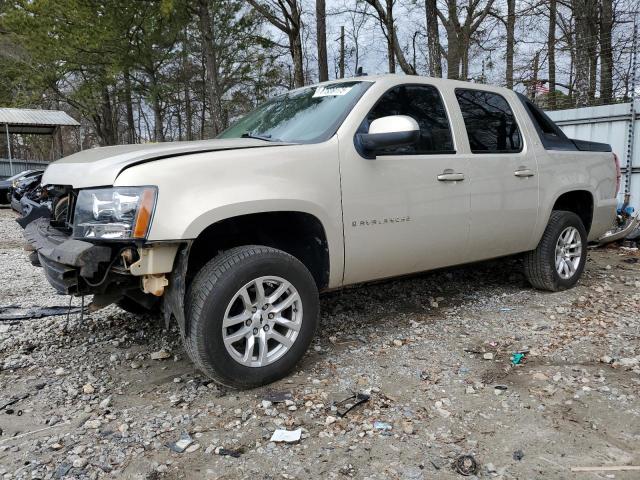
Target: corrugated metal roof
{"type": "Point", "coordinates": [26, 116]}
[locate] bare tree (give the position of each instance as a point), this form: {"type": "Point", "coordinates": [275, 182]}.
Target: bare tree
{"type": "Point", "coordinates": [341, 62]}
{"type": "Point", "coordinates": [606, 51]}
{"type": "Point", "coordinates": [288, 20]}
{"type": "Point", "coordinates": [584, 12]}
{"type": "Point", "coordinates": [394, 51]}
{"type": "Point", "coordinates": [214, 91]}
{"type": "Point", "coordinates": [460, 33]}
{"type": "Point", "coordinates": [131, 127]}
{"type": "Point", "coordinates": [511, 27]}
{"type": "Point", "coordinates": [433, 38]}
{"type": "Point", "coordinates": [321, 39]}
{"type": "Point", "coordinates": [358, 20]}
{"type": "Point", "coordinates": [551, 53]}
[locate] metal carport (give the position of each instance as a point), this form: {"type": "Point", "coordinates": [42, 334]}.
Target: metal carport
{"type": "Point", "coordinates": [34, 122]}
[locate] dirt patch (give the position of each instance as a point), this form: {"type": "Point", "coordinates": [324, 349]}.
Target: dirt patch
{"type": "Point", "coordinates": [98, 406]}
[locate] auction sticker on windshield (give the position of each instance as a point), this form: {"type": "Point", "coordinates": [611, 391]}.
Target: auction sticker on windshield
{"type": "Point", "coordinates": [331, 91]}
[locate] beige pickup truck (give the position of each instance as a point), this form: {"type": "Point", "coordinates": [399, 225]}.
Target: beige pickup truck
{"type": "Point", "coordinates": [325, 186]}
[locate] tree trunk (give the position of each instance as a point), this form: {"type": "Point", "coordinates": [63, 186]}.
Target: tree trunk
{"type": "Point", "coordinates": [536, 72]}
{"type": "Point", "coordinates": [580, 8]}
{"type": "Point", "coordinates": [321, 38]}
{"type": "Point", "coordinates": [453, 57]}
{"type": "Point", "coordinates": [511, 24]}
{"type": "Point", "coordinates": [459, 35]}
{"type": "Point", "coordinates": [214, 93]}
{"type": "Point", "coordinates": [606, 52]}
{"type": "Point", "coordinates": [188, 112]}
{"type": "Point", "coordinates": [186, 75]}
{"type": "Point", "coordinates": [551, 53]}
{"type": "Point", "coordinates": [342, 53]}
{"type": "Point", "coordinates": [394, 51]}
{"type": "Point", "coordinates": [464, 56]}
{"type": "Point", "coordinates": [453, 41]}
{"type": "Point", "coordinates": [592, 48]}
{"type": "Point", "coordinates": [131, 126]}
{"type": "Point", "coordinates": [433, 38]}
{"type": "Point", "coordinates": [404, 65]}
{"type": "Point", "coordinates": [291, 25]}
{"type": "Point", "coordinates": [158, 130]}
{"type": "Point", "coordinates": [296, 54]}
{"type": "Point", "coordinates": [103, 121]}
{"type": "Point", "coordinates": [388, 21]}
{"type": "Point", "coordinates": [60, 142]}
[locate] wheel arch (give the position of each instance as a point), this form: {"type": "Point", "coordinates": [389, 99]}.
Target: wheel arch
{"type": "Point", "coordinates": [579, 201]}
{"type": "Point", "coordinates": [298, 233]}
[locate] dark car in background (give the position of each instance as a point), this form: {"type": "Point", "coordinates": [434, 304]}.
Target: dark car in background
{"type": "Point", "coordinates": [7, 184]}
{"type": "Point", "coordinates": [24, 186]}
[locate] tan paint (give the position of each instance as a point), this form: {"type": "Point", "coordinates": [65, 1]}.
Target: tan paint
{"type": "Point", "coordinates": [198, 190]}
{"type": "Point", "coordinates": [429, 224]}
{"type": "Point", "coordinates": [156, 258]}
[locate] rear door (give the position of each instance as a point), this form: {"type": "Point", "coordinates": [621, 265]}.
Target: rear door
{"type": "Point", "coordinates": [399, 217]}
{"type": "Point", "coordinates": [503, 175]}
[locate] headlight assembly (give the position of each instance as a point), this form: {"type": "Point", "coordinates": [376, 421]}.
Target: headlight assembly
{"type": "Point", "coordinates": [118, 213]}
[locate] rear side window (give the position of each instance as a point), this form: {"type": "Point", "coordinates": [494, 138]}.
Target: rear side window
{"type": "Point", "coordinates": [490, 123]}
{"type": "Point", "coordinates": [541, 121]}
{"type": "Point", "coordinates": [550, 134]}
{"type": "Point", "coordinates": [424, 105]}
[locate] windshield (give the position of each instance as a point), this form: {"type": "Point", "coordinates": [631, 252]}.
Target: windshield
{"type": "Point", "coordinates": [305, 115]}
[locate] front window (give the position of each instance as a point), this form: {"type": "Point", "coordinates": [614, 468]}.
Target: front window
{"type": "Point", "coordinates": [306, 115]}
{"type": "Point", "coordinates": [424, 105]}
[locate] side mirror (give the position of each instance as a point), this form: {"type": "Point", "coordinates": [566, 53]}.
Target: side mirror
{"type": "Point", "coordinates": [385, 132]}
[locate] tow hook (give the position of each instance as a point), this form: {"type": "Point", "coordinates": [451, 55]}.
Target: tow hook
{"type": "Point", "coordinates": [154, 284]}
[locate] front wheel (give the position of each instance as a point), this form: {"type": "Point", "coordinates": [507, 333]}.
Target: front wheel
{"type": "Point", "coordinates": [252, 312]}
{"type": "Point", "coordinates": [558, 261]}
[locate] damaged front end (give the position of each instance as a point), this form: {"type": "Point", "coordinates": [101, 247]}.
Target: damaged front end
{"type": "Point", "coordinates": [89, 244]}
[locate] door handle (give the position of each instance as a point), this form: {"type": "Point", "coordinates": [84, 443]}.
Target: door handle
{"type": "Point", "coordinates": [523, 172]}
{"type": "Point", "coordinates": [450, 176]}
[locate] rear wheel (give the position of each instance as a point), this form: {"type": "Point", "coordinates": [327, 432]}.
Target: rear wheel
{"type": "Point", "coordinates": [558, 261]}
{"type": "Point", "coordinates": [252, 313]}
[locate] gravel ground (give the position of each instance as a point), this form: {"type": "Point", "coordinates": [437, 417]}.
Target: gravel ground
{"type": "Point", "coordinates": [429, 350]}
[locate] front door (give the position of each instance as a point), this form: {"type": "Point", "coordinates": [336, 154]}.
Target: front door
{"type": "Point", "coordinates": [404, 211]}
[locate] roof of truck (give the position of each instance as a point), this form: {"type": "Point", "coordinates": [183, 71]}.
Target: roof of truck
{"type": "Point", "coordinates": [393, 78]}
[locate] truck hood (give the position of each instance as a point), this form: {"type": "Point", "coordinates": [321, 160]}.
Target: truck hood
{"type": "Point", "coordinates": [101, 166]}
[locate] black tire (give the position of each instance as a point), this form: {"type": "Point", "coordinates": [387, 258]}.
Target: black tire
{"type": "Point", "coordinates": [539, 264]}
{"type": "Point", "coordinates": [209, 295]}
{"type": "Point", "coordinates": [61, 209]}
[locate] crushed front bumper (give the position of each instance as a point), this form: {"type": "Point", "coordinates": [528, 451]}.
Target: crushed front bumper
{"type": "Point", "coordinates": [64, 259]}
{"type": "Point", "coordinates": [15, 205]}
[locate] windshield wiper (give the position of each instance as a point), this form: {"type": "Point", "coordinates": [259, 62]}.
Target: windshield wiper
{"type": "Point", "coordinates": [266, 138]}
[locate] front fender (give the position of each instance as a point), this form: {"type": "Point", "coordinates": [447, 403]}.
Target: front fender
{"type": "Point", "coordinates": [198, 190]}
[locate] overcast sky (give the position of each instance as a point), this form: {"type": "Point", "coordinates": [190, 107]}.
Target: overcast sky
{"type": "Point", "coordinates": [531, 33]}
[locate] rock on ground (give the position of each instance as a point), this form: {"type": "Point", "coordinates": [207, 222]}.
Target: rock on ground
{"type": "Point", "coordinates": [432, 351]}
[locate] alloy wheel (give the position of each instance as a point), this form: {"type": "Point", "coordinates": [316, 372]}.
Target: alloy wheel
{"type": "Point", "coordinates": [262, 321]}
